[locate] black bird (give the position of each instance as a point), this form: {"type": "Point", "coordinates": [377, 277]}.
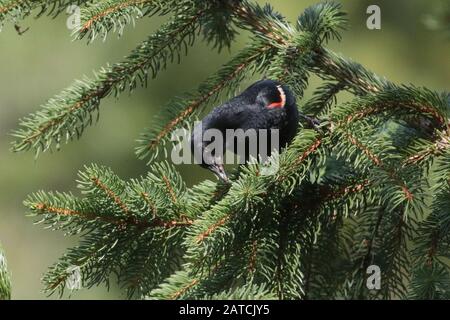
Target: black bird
{"type": "Point", "coordinates": [266, 104]}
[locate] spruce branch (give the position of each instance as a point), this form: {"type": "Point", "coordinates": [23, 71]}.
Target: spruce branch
{"type": "Point", "coordinates": [363, 251]}
{"type": "Point", "coordinates": [333, 67]}
{"type": "Point", "coordinates": [16, 10]}
{"type": "Point", "coordinates": [379, 170]}
{"type": "Point", "coordinates": [98, 18]}
{"type": "Point", "coordinates": [5, 284]}
{"type": "Point", "coordinates": [431, 249]}
{"type": "Point", "coordinates": [430, 282]}
{"type": "Point", "coordinates": [431, 272]}
{"type": "Point", "coordinates": [394, 254]}
{"type": "Point", "coordinates": [324, 20]}
{"type": "Point", "coordinates": [146, 207]}
{"type": "Point", "coordinates": [174, 287]}
{"type": "Point", "coordinates": [323, 98]}
{"type": "Point", "coordinates": [65, 116]}
{"type": "Point", "coordinates": [423, 102]}
{"type": "Point", "coordinates": [425, 151]}
{"type": "Point", "coordinates": [250, 292]}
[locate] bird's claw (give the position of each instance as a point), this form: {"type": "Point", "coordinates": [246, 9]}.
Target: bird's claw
{"type": "Point", "coordinates": [313, 122]}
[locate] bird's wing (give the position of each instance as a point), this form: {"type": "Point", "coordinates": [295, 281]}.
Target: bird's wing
{"type": "Point", "coordinates": [229, 116]}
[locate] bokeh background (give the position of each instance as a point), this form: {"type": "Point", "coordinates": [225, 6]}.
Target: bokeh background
{"type": "Point", "coordinates": [45, 60]}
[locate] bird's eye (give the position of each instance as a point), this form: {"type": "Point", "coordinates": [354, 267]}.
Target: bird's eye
{"type": "Point", "coordinates": [278, 100]}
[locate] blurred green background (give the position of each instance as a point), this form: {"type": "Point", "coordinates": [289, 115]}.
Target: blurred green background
{"type": "Point", "coordinates": [44, 60]}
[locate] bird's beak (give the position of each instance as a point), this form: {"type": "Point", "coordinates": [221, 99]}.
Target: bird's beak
{"type": "Point", "coordinates": [219, 171]}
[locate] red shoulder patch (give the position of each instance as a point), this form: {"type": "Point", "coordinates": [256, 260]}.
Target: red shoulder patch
{"type": "Point", "coordinates": [279, 104]}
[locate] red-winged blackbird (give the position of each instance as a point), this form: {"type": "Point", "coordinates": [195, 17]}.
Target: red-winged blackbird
{"type": "Point", "coordinates": [266, 104]}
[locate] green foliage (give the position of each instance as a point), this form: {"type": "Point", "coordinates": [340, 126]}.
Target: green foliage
{"type": "Point", "coordinates": [134, 228]}
{"type": "Point", "coordinates": [367, 186]}
{"type": "Point", "coordinates": [244, 293]}
{"type": "Point", "coordinates": [16, 10]}
{"type": "Point", "coordinates": [324, 20]}
{"type": "Point", "coordinates": [5, 285]}
{"type": "Point", "coordinates": [65, 116]}
{"type": "Point", "coordinates": [100, 17]}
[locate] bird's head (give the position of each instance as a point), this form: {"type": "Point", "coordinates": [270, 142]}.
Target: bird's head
{"type": "Point", "coordinates": [270, 94]}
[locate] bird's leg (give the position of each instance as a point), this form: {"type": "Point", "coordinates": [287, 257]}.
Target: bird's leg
{"type": "Point", "coordinates": [314, 122]}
